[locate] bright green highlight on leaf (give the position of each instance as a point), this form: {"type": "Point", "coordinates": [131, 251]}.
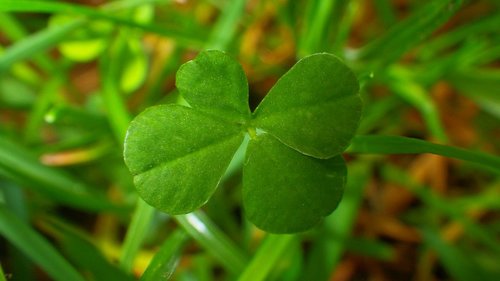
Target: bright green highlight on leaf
{"type": "Point", "coordinates": [293, 175]}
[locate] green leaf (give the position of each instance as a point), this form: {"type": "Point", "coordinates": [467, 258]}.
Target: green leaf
{"type": "Point", "coordinates": [314, 108]}
{"type": "Point", "coordinates": [285, 191]}
{"type": "Point", "coordinates": [215, 83]}
{"type": "Point", "coordinates": [178, 155]}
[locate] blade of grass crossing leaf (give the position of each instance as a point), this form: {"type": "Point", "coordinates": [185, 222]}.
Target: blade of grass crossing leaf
{"type": "Point", "coordinates": [225, 27]}
{"type": "Point", "coordinates": [329, 247]}
{"type": "Point", "coordinates": [402, 145]}
{"type": "Point", "coordinates": [137, 230]}
{"type": "Point", "coordinates": [209, 236]}
{"type": "Point", "coordinates": [456, 262]}
{"type": "Point", "coordinates": [36, 247]}
{"type": "Point", "coordinates": [268, 254]}
{"type": "Point", "coordinates": [165, 260]}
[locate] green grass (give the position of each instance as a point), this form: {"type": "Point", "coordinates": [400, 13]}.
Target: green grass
{"type": "Point", "coordinates": [429, 80]}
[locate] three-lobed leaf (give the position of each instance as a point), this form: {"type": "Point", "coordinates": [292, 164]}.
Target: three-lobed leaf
{"type": "Point", "coordinates": [285, 191]}
{"type": "Point", "coordinates": [178, 155]}
{"type": "Point", "coordinates": [293, 175]}
{"type": "Point", "coordinates": [314, 108]}
{"type": "Point", "coordinates": [214, 82]}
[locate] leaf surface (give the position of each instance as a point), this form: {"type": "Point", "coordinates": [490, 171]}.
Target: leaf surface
{"type": "Point", "coordinates": [314, 108]}
{"type": "Point", "coordinates": [215, 83]}
{"type": "Point", "coordinates": [178, 155]}
{"type": "Point", "coordinates": [285, 191]}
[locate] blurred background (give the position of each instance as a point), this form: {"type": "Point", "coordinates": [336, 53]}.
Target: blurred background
{"type": "Point", "coordinates": [74, 73]}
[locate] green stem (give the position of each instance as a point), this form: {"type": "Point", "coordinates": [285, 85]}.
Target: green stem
{"type": "Point", "coordinates": [2, 274]}
{"type": "Point", "coordinates": [137, 230]}
{"type": "Point", "coordinates": [403, 145]}
{"type": "Point", "coordinates": [208, 235]}
{"type": "Point", "coordinates": [164, 262]}
{"type": "Point", "coordinates": [268, 254]}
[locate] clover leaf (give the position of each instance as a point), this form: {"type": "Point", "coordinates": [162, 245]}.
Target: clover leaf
{"type": "Point", "coordinates": [293, 174]}
{"type": "Point", "coordinates": [285, 191]}
{"type": "Point", "coordinates": [313, 108]}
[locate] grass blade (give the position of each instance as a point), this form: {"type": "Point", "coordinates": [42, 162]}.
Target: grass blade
{"type": "Point", "coordinates": [209, 236]}
{"type": "Point", "coordinates": [81, 251]}
{"type": "Point", "coordinates": [36, 247]}
{"type": "Point", "coordinates": [407, 33]}
{"type": "Point", "coordinates": [114, 102]}
{"type": "Point", "coordinates": [402, 84]}
{"type": "Point", "coordinates": [44, 100]}
{"type": "Point", "coordinates": [268, 254]}
{"type": "Point", "coordinates": [137, 230]}
{"type": "Point", "coordinates": [163, 264]}
{"type": "Point", "coordinates": [38, 42]}
{"type": "Point", "coordinates": [318, 19]}
{"type": "Point", "coordinates": [225, 28]}
{"type": "Point", "coordinates": [330, 244]}
{"type": "Point", "coordinates": [458, 265]}
{"type": "Point", "coordinates": [21, 167]}
{"type": "Point", "coordinates": [432, 200]}
{"type": "Point", "coordinates": [404, 145]}
{"type": "Point", "coordinates": [80, 10]}
{"type": "Point", "coordinates": [2, 274]}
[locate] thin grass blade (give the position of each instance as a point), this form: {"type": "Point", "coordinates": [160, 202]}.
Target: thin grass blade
{"type": "Point", "coordinates": [36, 247]}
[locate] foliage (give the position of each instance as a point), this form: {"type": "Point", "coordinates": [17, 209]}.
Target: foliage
{"type": "Point", "coordinates": [421, 187]}
{"type": "Point", "coordinates": [291, 177]}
